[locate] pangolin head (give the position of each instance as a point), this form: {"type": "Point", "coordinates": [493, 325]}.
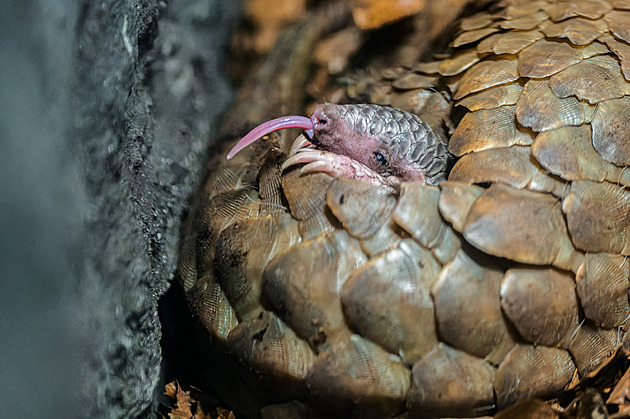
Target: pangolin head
{"type": "Point", "coordinates": [391, 142]}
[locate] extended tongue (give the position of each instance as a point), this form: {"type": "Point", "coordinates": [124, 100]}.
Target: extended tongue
{"type": "Point", "coordinates": [271, 126]}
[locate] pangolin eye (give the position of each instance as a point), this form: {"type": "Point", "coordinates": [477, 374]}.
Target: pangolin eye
{"type": "Point", "coordinates": [380, 159]}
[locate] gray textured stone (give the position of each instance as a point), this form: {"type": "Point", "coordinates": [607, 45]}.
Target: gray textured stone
{"type": "Point", "coordinates": [107, 109]}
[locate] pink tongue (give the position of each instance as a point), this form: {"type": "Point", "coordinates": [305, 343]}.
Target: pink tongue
{"type": "Point", "coordinates": [269, 127]}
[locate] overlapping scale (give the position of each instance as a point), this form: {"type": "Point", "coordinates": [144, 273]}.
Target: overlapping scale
{"type": "Point", "coordinates": [486, 74]}
{"type": "Point", "coordinates": [511, 166]}
{"type": "Point", "coordinates": [603, 285]}
{"type": "Point", "coordinates": [568, 152]}
{"type": "Point", "coordinates": [448, 382]}
{"type": "Point", "coordinates": [525, 22]}
{"type": "Point", "coordinates": [231, 205]}
{"type": "Point", "coordinates": [590, 9]}
{"type": "Point", "coordinates": [619, 23]}
{"type": "Point", "coordinates": [611, 130]}
{"type": "Point", "coordinates": [522, 8]}
{"type": "Point", "coordinates": [428, 67]}
{"type": "Point", "coordinates": [622, 50]}
{"type": "Point", "coordinates": [229, 195]}
{"type": "Point", "coordinates": [303, 285]}
{"type": "Point", "coordinates": [521, 225]}
{"type": "Point", "coordinates": [411, 101]}
{"type": "Point", "coordinates": [532, 371]}
{"type": "Point", "coordinates": [358, 379]}
{"type": "Point", "coordinates": [472, 277]}
{"type": "Point", "coordinates": [494, 97]}
{"type": "Point", "coordinates": [232, 178]}
{"type": "Point", "coordinates": [266, 343]}
{"type": "Point", "coordinates": [592, 348]}
{"type": "Point", "coordinates": [455, 201]}
{"type": "Point", "coordinates": [459, 62]}
{"type": "Point", "coordinates": [473, 35]}
{"type": "Point", "coordinates": [578, 30]}
{"type": "Point", "coordinates": [476, 21]}
{"type": "Point", "coordinates": [541, 303]}
{"type": "Point", "coordinates": [188, 263]}
{"type": "Point", "coordinates": [388, 300]}
{"type": "Point", "coordinates": [308, 206]}
{"type": "Point", "coordinates": [435, 111]}
{"type": "Point", "coordinates": [243, 250]}
{"type": "Point", "coordinates": [385, 238]}
{"type": "Point", "coordinates": [594, 48]}
{"type": "Point", "coordinates": [353, 201]}
{"type": "Point", "coordinates": [417, 214]}
{"type": "Point", "coordinates": [594, 79]}
{"type": "Point", "coordinates": [509, 42]}
{"type": "Point", "coordinates": [597, 217]}
{"type": "Point", "coordinates": [541, 110]}
{"type": "Point", "coordinates": [544, 58]}
{"type": "Point", "coordinates": [214, 309]}
{"type": "Point", "coordinates": [485, 129]}
{"type": "Point", "coordinates": [270, 189]}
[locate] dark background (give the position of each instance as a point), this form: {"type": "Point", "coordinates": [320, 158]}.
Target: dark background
{"type": "Point", "coordinates": [106, 110]}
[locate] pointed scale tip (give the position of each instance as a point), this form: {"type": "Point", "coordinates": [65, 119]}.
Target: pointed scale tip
{"type": "Point", "coordinates": [271, 126]}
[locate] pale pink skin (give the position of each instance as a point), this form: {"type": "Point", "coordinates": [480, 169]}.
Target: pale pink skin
{"type": "Point", "coordinates": [336, 165]}
{"type": "Point", "coordinates": [268, 127]}
{"type": "Point", "coordinates": [341, 151]}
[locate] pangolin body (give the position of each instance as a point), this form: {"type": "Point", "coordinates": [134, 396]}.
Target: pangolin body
{"type": "Point", "coordinates": [335, 296]}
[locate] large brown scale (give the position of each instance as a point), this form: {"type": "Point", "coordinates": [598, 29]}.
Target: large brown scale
{"type": "Point", "coordinates": [509, 280]}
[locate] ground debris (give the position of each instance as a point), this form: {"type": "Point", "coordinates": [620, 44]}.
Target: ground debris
{"type": "Point", "coordinates": [270, 17]}
{"type": "Point", "coordinates": [620, 397]}
{"type": "Point", "coordinates": [189, 404]}
{"type": "Point", "coordinates": [606, 395]}
{"type": "Point", "coordinates": [371, 14]}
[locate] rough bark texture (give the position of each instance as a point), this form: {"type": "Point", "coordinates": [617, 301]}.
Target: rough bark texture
{"type": "Point", "coordinates": [107, 108]}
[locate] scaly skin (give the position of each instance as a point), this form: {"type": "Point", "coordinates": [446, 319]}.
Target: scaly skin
{"type": "Point", "coordinates": [358, 300]}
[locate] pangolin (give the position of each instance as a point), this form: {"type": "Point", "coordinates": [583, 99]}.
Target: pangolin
{"type": "Point", "coordinates": [359, 289]}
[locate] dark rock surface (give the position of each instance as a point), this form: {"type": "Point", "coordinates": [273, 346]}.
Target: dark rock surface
{"type": "Point", "coordinates": [107, 109]}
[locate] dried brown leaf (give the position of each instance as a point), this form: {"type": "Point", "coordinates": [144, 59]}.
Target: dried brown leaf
{"type": "Point", "coordinates": [370, 14]}
{"type": "Point", "coordinates": [530, 409]}
{"type": "Point", "coordinates": [270, 17]}
{"type": "Point", "coordinates": [189, 406]}
{"type": "Point", "coordinates": [621, 393]}
{"type": "Point", "coordinates": [225, 413]}
{"type": "Point", "coordinates": [182, 403]}
{"type": "Point", "coordinates": [334, 52]}
{"type": "Point", "coordinates": [171, 389]}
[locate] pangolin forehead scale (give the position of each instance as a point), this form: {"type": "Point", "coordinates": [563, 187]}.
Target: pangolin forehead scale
{"type": "Point", "coordinates": [392, 127]}
{"type": "Point", "coordinates": [403, 134]}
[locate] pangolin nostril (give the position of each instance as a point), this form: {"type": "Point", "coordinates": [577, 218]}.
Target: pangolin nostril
{"type": "Point", "coordinates": [320, 118]}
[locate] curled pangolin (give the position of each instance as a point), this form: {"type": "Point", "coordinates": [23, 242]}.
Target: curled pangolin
{"type": "Point", "coordinates": [335, 296]}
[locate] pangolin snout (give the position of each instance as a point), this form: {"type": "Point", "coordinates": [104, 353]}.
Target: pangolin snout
{"type": "Point", "coordinates": [322, 119]}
